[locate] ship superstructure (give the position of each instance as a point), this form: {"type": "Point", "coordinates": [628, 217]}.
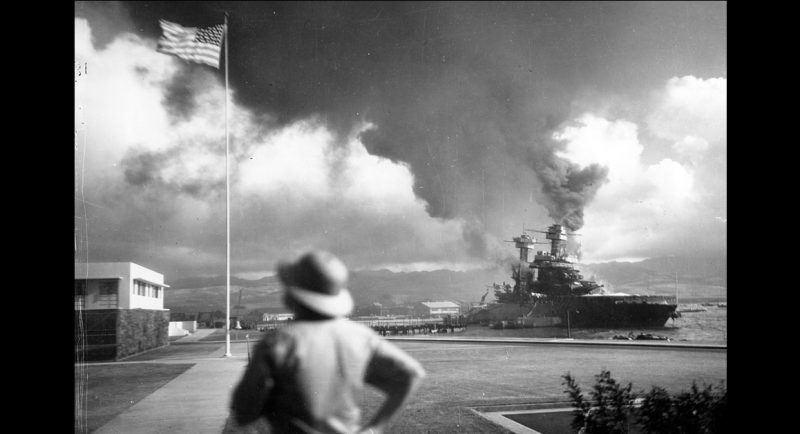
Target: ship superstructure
{"type": "Point", "coordinates": [547, 285]}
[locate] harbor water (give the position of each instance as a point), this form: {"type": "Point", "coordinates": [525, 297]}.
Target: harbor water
{"type": "Point", "coordinates": [698, 323]}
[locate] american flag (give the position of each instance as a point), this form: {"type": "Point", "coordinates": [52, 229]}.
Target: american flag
{"type": "Point", "coordinates": [201, 45]}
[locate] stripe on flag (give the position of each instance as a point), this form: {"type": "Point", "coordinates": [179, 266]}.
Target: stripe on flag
{"type": "Point", "coordinates": [200, 45]}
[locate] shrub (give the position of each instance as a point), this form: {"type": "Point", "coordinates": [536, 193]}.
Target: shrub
{"type": "Point", "coordinates": [611, 408]}
{"type": "Point", "coordinates": [656, 413]}
{"type": "Point", "coordinates": [698, 411]}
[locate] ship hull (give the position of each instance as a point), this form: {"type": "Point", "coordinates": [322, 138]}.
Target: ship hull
{"type": "Point", "coordinates": [617, 311]}
{"type": "Point", "coordinates": [589, 311]}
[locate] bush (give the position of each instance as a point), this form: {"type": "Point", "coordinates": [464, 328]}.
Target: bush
{"type": "Point", "coordinates": [694, 412]}
{"type": "Point", "coordinates": [608, 411]}
{"type": "Point", "coordinates": [612, 408]}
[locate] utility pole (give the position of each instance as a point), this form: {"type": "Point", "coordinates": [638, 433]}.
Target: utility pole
{"type": "Point", "coordinates": [675, 266]}
{"type": "Point", "coordinates": [569, 332]}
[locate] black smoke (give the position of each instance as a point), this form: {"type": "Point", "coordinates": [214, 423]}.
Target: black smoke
{"type": "Point", "coordinates": [466, 94]}
{"type": "Point", "coordinates": [568, 188]}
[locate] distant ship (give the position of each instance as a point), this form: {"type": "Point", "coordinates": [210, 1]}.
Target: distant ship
{"type": "Point", "coordinates": [551, 292]}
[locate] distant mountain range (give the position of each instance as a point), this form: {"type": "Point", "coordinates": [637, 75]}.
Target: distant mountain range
{"type": "Point", "coordinates": [696, 278]}
{"type": "Point", "coordinates": [710, 270]}
{"type": "Point", "coordinates": [203, 282]}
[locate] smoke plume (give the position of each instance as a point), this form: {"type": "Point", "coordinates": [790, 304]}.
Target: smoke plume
{"type": "Point", "coordinates": [461, 102]}
{"type": "Point", "coordinates": [462, 99]}
{"type": "Point", "coordinates": [568, 188]}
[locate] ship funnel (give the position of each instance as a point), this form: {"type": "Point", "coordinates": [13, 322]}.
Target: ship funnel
{"type": "Point", "coordinates": [558, 240]}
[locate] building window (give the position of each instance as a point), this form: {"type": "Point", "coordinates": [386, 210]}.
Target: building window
{"type": "Point", "coordinates": [80, 294]}
{"type": "Point", "coordinates": [140, 288]}
{"type": "Point", "coordinates": [107, 295]}
{"type": "Point", "coordinates": [146, 289]}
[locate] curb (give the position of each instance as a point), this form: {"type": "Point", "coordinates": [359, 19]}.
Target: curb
{"type": "Point", "coordinates": [622, 344]}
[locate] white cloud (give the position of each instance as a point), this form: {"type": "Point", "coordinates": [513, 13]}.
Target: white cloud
{"type": "Point", "coordinates": [298, 186]}
{"type": "Point", "coordinates": [672, 182]}
{"type": "Point", "coordinates": [116, 107]}
{"type": "Point", "coordinates": [597, 140]}
{"type": "Point", "coordinates": [383, 183]}
{"type": "Point", "coordinates": [293, 160]}
{"type": "Point", "coordinates": [83, 40]}
{"type": "Point", "coordinates": [692, 113]}
{"type": "Point", "coordinates": [692, 148]}
{"type": "Point", "coordinates": [691, 106]}
{"type": "Point", "coordinates": [647, 209]}
{"type": "Point", "coordinates": [292, 188]}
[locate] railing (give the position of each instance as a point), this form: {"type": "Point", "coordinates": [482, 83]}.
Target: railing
{"type": "Point", "coordinates": [394, 325]}
{"type": "Point", "coordinates": [372, 322]}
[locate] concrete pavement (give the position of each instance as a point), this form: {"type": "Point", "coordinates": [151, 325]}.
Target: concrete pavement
{"type": "Point", "coordinates": [193, 402]}
{"type": "Point", "coordinates": [196, 336]}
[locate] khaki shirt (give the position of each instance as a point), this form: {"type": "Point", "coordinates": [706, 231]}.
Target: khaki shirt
{"type": "Point", "coordinates": [306, 376]}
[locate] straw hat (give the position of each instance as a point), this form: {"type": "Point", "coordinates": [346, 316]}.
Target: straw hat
{"type": "Point", "coordinates": [317, 281]}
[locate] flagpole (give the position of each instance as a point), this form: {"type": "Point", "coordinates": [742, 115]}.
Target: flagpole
{"type": "Point", "coordinates": [227, 210]}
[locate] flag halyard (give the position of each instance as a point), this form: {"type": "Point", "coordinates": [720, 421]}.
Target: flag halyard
{"type": "Point", "coordinates": [200, 45]}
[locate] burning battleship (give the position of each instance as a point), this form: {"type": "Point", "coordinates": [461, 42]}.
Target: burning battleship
{"type": "Point", "coordinates": [550, 291]}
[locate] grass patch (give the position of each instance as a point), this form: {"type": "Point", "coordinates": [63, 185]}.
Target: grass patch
{"type": "Point", "coordinates": [108, 390]}
{"type": "Point", "coordinates": [177, 351]}
{"type": "Point", "coordinates": [236, 335]}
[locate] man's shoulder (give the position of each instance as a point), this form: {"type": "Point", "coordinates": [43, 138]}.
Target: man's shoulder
{"type": "Point", "coordinates": [301, 329]}
{"type": "Point", "coordinates": [356, 327]}
{"type": "Point", "coordinates": [328, 323]}
{"type": "Point", "coordinates": [355, 324]}
{"type": "Point", "coordinates": [272, 336]}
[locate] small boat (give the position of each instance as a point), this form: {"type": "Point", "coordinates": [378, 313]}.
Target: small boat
{"type": "Point", "coordinates": [650, 337]}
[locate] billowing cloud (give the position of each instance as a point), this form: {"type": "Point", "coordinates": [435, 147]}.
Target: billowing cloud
{"type": "Point", "coordinates": [395, 135]}
{"type": "Point", "coordinates": [691, 148]}
{"type": "Point", "coordinates": [692, 107]}
{"type": "Point", "coordinates": [155, 177]}
{"type": "Point", "coordinates": [669, 206]}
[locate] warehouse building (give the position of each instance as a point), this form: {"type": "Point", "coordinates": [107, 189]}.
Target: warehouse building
{"type": "Point", "coordinates": [436, 309]}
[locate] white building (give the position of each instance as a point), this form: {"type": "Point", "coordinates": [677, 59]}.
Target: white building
{"type": "Point", "coordinates": [118, 285]}
{"type": "Point", "coordinates": [437, 309]}
{"type": "Point", "coordinates": [182, 328]}
{"type": "Point", "coordinates": [277, 316]}
{"type": "Point", "coordinates": [119, 310]}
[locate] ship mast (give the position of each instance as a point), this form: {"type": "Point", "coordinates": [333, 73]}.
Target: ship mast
{"type": "Point", "coordinates": [525, 244]}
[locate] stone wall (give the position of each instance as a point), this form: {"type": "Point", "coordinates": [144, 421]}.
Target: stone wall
{"type": "Point", "coordinates": [112, 334]}
{"type": "Point", "coordinates": [95, 334]}
{"type": "Point", "coordinates": [140, 330]}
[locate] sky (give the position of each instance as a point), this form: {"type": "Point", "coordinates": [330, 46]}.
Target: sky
{"type": "Point", "coordinates": [401, 135]}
